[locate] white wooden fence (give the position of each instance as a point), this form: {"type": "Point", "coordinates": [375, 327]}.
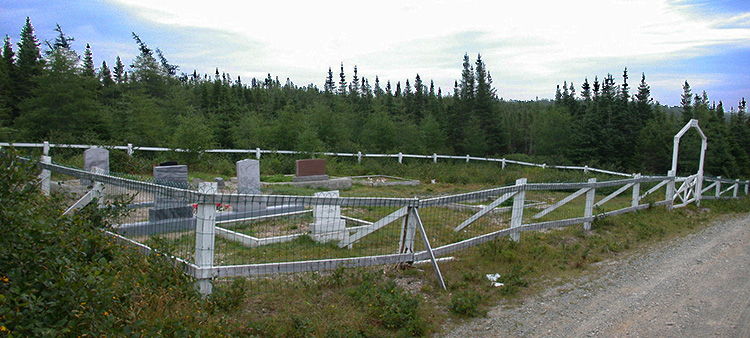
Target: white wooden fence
{"type": "Point", "coordinates": [130, 149]}
{"type": "Point", "coordinates": [204, 268]}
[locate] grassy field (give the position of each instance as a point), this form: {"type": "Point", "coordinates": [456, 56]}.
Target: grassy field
{"type": "Point", "coordinates": [96, 287]}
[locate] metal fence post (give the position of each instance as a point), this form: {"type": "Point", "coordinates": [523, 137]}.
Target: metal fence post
{"type": "Point", "coordinates": [45, 148]}
{"type": "Point", "coordinates": [590, 196]}
{"type": "Point", "coordinates": [467, 158]}
{"type": "Point", "coordinates": [257, 153]}
{"type": "Point", "coordinates": [400, 157]}
{"type": "Point", "coordinates": [516, 219]}
{"type": "Point", "coordinates": [636, 191]}
{"type": "Point", "coordinates": [205, 229]}
{"type": "Point", "coordinates": [359, 157]}
{"type": "Point", "coordinates": [503, 167]}
{"type": "Point", "coordinates": [670, 190]}
{"type": "Point", "coordinates": [736, 187]}
{"type": "Point", "coordinates": [130, 149]}
{"type": "Point", "coordinates": [434, 157]}
{"type": "Point", "coordinates": [46, 176]}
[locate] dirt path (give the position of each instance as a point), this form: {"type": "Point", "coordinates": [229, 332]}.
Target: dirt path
{"type": "Point", "coordinates": [695, 286]}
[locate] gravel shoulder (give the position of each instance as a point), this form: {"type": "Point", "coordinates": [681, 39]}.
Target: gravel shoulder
{"type": "Point", "coordinates": [693, 286]}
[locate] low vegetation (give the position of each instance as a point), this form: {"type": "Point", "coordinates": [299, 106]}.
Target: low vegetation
{"type": "Point", "coordinates": [63, 276]}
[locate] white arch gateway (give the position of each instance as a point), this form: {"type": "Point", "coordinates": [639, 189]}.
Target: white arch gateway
{"type": "Point", "coordinates": [690, 190]}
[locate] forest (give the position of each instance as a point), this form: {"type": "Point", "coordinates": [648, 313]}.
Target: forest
{"type": "Point", "coordinates": [48, 91]}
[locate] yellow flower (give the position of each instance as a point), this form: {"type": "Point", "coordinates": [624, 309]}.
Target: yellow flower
{"type": "Point", "coordinates": [3, 328]}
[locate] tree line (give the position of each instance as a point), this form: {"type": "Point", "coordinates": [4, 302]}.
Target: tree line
{"type": "Point", "coordinates": [50, 92]}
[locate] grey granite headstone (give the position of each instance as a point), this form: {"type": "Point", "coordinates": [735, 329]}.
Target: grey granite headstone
{"type": "Point", "coordinates": [166, 207]}
{"type": "Point", "coordinates": [95, 157]}
{"type": "Point", "coordinates": [219, 182]}
{"type": "Point", "coordinates": [248, 182]}
{"type": "Point", "coordinates": [328, 224]}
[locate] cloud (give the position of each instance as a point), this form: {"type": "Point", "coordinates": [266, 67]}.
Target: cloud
{"type": "Point", "coordinates": [538, 43]}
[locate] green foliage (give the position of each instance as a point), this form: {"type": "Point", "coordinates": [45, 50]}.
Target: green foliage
{"type": "Point", "coordinates": [466, 303]}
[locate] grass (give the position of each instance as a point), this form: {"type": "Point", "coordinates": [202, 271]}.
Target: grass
{"type": "Point", "coordinates": [155, 299]}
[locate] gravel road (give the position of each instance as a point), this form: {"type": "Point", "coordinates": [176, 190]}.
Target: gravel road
{"type": "Point", "coordinates": [693, 286]}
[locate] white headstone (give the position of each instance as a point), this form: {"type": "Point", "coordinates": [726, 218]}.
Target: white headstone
{"type": "Point", "coordinates": [328, 224]}
{"type": "Point", "coordinates": [248, 182]}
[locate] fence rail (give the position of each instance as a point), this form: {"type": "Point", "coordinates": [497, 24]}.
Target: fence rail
{"type": "Point", "coordinates": [215, 234]}
{"type": "Point", "coordinates": [130, 149]}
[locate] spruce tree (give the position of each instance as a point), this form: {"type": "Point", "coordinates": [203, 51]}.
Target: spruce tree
{"type": "Point", "coordinates": [342, 81]}
{"type": "Point", "coordinates": [330, 86]}
{"type": "Point", "coordinates": [687, 103]}
{"type": "Point", "coordinates": [105, 75]}
{"type": "Point", "coordinates": [88, 62]}
{"type": "Point", "coordinates": [119, 69]}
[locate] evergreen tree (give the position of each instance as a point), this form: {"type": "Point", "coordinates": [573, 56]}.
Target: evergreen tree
{"type": "Point", "coordinates": [378, 91]}
{"type": "Point", "coordinates": [586, 90]}
{"type": "Point", "coordinates": [342, 81]}
{"type": "Point", "coordinates": [624, 88]}
{"type": "Point", "coordinates": [28, 66]}
{"type": "Point", "coordinates": [119, 69]}
{"type": "Point", "coordinates": [467, 80]}
{"type": "Point", "coordinates": [61, 41]}
{"type": "Point", "coordinates": [88, 62]}
{"type": "Point", "coordinates": [105, 75]}
{"type": "Point", "coordinates": [330, 86]}
{"type": "Point", "coordinates": [643, 102]}
{"type": "Point", "coordinates": [354, 85]}
{"type": "Point", "coordinates": [687, 103]}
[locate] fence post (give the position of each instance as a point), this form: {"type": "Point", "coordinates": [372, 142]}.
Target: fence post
{"type": "Point", "coordinates": [434, 157]}
{"type": "Point", "coordinates": [503, 167]}
{"type": "Point", "coordinates": [130, 149]}
{"type": "Point", "coordinates": [45, 176]}
{"type": "Point", "coordinates": [586, 169]}
{"type": "Point", "coordinates": [400, 157]}
{"type": "Point", "coordinates": [670, 189]}
{"type": "Point", "coordinates": [257, 153]}
{"type": "Point", "coordinates": [45, 148]}
{"type": "Point", "coordinates": [736, 187]}
{"type": "Point", "coordinates": [747, 185]}
{"type": "Point", "coordinates": [636, 191]}
{"type": "Point", "coordinates": [590, 197]}
{"type": "Point", "coordinates": [467, 158]}
{"type": "Point", "coordinates": [408, 232]}
{"type": "Point", "coordinates": [718, 187]}
{"type": "Point", "coordinates": [204, 235]}
{"type": "Point", "coordinates": [516, 219]}
{"type": "Point", "coordinates": [359, 157]}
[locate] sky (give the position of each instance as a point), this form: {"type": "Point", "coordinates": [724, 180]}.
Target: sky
{"type": "Point", "coordinates": [528, 46]}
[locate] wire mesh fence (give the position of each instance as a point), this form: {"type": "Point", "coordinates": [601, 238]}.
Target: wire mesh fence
{"type": "Point", "coordinates": [219, 232]}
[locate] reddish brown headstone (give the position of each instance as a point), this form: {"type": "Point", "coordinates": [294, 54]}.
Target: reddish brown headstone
{"type": "Point", "coordinates": [314, 170]}
{"type": "Point", "coordinates": [311, 167]}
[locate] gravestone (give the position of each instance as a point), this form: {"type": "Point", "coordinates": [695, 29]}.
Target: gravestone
{"type": "Point", "coordinates": [328, 225]}
{"type": "Point", "coordinates": [248, 182]}
{"type": "Point", "coordinates": [310, 170]}
{"type": "Point", "coordinates": [95, 158]}
{"type": "Point", "coordinates": [166, 207]}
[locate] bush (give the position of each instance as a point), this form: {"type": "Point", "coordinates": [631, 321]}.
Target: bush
{"type": "Point", "coordinates": [465, 303]}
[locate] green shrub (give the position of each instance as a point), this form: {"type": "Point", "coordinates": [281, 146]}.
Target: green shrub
{"type": "Point", "coordinates": [465, 303]}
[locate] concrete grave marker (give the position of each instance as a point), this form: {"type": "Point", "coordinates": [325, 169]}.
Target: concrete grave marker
{"type": "Point", "coordinates": [248, 182]}
{"type": "Point", "coordinates": [310, 170]}
{"type": "Point", "coordinates": [166, 207]}
{"type": "Point", "coordinates": [95, 158]}
{"type": "Point", "coordinates": [328, 224]}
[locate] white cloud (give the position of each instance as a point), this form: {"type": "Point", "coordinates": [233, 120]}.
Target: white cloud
{"type": "Point", "coordinates": [542, 42]}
